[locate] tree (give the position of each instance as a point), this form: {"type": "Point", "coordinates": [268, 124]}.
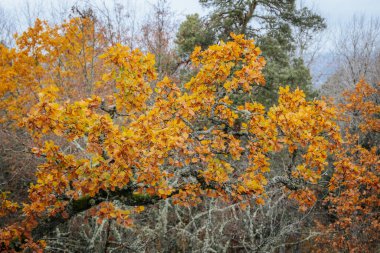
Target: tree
{"type": "Point", "coordinates": [356, 55]}
{"type": "Point", "coordinates": [7, 28]}
{"type": "Point", "coordinates": [353, 199]}
{"type": "Point", "coordinates": [120, 22]}
{"type": "Point", "coordinates": [272, 24]}
{"type": "Point", "coordinates": [140, 145]}
{"type": "Point", "coordinates": [193, 32]}
{"type": "Point", "coordinates": [282, 69]}
{"type": "Point", "coordinates": [157, 37]}
{"type": "Point", "coordinates": [111, 137]}
{"type": "Point", "coordinates": [242, 16]}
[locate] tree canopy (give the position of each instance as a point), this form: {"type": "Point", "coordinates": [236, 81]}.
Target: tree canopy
{"type": "Point", "coordinates": [272, 24]}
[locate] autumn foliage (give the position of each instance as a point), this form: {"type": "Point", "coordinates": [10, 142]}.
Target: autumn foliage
{"type": "Point", "coordinates": [108, 130]}
{"type": "Point", "coordinates": [354, 187]}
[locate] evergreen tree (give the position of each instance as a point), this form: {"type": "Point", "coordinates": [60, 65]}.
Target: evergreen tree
{"type": "Point", "coordinates": [271, 23]}
{"type": "Point", "coordinates": [193, 32]}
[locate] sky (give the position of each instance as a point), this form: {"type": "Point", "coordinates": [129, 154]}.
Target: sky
{"type": "Point", "coordinates": [335, 11]}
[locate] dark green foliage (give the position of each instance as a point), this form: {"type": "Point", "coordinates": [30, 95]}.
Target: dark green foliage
{"type": "Point", "coordinates": [254, 17]}
{"type": "Point", "coordinates": [293, 73]}
{"type": "Point", "coordinates": [271, 23]}
{"type": "Point", "coordinates": [193, 32]}
{"type": "Point", "coordinates": [281, 68]}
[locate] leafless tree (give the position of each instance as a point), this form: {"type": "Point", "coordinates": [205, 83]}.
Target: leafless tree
{"type": "Point", "coordinates": [356, 54]}
{"type": "Point", "coordinates": [157, 36]}
{"type": "Point", "coordinates": [7, 27]}
{"type": "Point", "coordinates": [30, 11]}
{"type": "Point", "coordinates": [120, 20]}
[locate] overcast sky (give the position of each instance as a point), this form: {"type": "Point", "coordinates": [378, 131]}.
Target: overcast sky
{"type": "Point", "coordinates": [335, 11]}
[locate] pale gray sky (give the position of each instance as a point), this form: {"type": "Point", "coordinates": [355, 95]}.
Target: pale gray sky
{"type": "Point", "coordinates": [338, 11]}
{"type": "Point", "coordinates": [335, 11]}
